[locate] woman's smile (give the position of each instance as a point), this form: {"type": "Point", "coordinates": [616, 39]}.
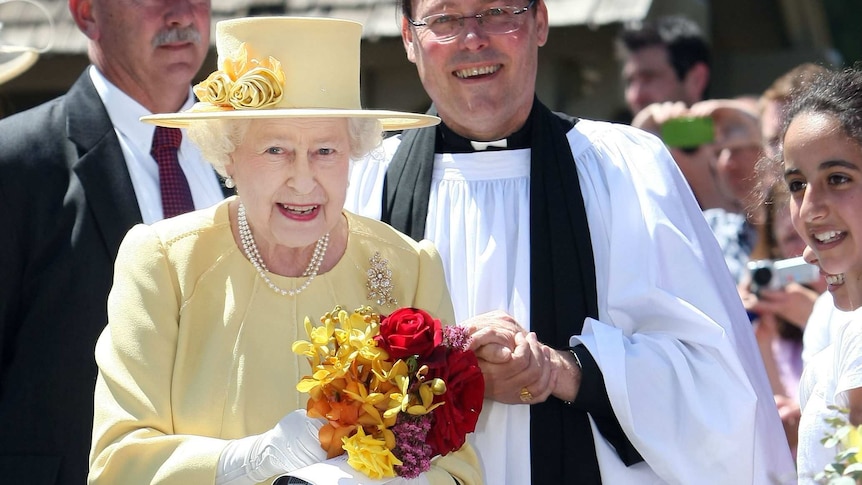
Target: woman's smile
{"type": "Point", "coordinates": [300, 213]}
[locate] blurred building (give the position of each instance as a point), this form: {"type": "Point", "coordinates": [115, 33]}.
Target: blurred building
{"type": "Point", "coordinates": [753, 42]}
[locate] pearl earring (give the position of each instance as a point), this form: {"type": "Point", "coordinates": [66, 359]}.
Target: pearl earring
{"type": "Point", "coordinates": [229, 183]}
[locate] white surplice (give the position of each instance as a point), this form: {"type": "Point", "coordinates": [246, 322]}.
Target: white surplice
{"type": "Point", "coordinates": [679, 360]}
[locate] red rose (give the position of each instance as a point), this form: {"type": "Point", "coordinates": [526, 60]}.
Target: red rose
{"type": "Point", "coordinates": [409, 331]}
{"type": "Point", "coordinates": [465, 390]}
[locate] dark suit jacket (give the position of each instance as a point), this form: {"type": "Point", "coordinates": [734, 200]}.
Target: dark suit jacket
{"type": "Point", "coordinates": [66, 201]}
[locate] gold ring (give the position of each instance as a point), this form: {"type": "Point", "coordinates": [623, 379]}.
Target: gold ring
{"type": "Point", "coordinates": [526, 395]}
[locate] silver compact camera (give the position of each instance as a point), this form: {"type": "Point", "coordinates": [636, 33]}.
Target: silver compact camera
{"type": "Point", "coordinates": [775, 274]}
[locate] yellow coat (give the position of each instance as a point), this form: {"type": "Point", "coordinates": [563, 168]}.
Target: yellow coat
{"type": "Point", "coordinates": [197, 350]}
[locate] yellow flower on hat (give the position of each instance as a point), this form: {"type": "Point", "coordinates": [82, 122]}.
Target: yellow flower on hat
{"type": "Point", "coordinates": [215, 89]}
{"type": "Point", "coordinates": [286, 67]}
{"type": "Point", "coordinates": [258, 88]}
{"type": "Point", "coordinates": [244, 83]}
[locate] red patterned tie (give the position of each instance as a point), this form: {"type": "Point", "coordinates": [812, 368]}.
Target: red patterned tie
{"type": "Point", "coordinates": [176, 196]}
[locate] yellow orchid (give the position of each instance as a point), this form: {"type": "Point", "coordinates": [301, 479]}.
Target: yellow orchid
{"type": "Point", "coordinates": [355, 337]}
{"type": "Point", "coordinates": [324, 374]}
{"type": "Point", "coordinates": [359, 393]}
{"type": "Point", "coordinates": [318, 347]}
{"type": "Point", "coordinates": [427, 391]}
{"type": "Point", "coordinates": [398, 401]}
{"type": "Point", "coordinates": [370, 455]}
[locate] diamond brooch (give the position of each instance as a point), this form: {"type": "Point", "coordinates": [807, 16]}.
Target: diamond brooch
{"type": "Point", "coordinates": [379, 283]}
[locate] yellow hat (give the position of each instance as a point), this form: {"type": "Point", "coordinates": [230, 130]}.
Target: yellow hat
{"type": "Point", "coordinates": [279, 67]}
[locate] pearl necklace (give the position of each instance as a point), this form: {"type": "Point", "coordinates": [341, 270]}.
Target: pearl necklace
{"type": "Point", "coordinates": [250, 248]}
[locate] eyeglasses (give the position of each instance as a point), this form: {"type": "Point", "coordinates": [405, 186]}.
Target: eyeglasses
{"type": "Point", "coordinates": [495, 20]}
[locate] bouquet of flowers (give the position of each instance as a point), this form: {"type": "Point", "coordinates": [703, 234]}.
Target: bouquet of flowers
{"type": "Point", "coordinates": [396, 391]}
{"type": "Point", "coordinates": [846, 469]}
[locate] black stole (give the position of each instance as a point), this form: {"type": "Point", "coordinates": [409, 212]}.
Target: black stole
{"type": "Point", "coordinates": [562, 286]}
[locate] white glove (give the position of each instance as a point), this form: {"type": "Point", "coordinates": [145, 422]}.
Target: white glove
{"type": "Point", "coordinates": [291, 444]}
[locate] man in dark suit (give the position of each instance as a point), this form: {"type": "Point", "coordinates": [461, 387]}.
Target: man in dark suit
{"type": "Point", "coordinates": [75, 174]}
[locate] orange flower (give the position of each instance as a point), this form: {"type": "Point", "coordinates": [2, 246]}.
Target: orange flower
{"type": "Point", "coordinates": [331, 437]}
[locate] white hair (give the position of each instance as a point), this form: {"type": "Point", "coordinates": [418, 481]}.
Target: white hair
{"type": "Point", "coordinates": [219, 138]}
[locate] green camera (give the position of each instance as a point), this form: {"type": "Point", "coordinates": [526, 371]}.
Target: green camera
{"type": "Point", "coordinates": [688, 132]}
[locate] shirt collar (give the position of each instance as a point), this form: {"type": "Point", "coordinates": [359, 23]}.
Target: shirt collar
{"type": "Point", "coordinates": [125, 112]}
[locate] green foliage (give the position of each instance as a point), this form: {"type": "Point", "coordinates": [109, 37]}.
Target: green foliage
{"type": "Point", "coordinates": [846, 469]}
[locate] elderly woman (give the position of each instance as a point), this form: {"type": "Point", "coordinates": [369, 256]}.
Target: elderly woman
{"type": "Point", "coordinates": [197, 381]}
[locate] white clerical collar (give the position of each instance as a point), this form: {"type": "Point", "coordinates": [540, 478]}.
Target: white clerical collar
{"type": "Point", "coordinates": [483, 145]}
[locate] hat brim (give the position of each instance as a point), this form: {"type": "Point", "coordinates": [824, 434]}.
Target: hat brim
{"type": "Point", "coordinates": [391, 120]}
{"type": "Point", "coordinates": [20, 62]}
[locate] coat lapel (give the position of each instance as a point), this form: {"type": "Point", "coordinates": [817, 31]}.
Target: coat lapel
{"type": "Point", "coordinates": [99, 164]}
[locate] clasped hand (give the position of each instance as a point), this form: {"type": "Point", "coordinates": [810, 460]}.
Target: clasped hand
{"type": "Point", "coordinates": [513, 360]}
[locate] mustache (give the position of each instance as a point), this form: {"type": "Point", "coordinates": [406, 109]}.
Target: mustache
{"type": "Point", "coordinates": [177, 35]}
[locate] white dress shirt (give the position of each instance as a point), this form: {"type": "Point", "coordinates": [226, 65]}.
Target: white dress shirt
{"type": "Point", "coordinates": [136, 139]}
